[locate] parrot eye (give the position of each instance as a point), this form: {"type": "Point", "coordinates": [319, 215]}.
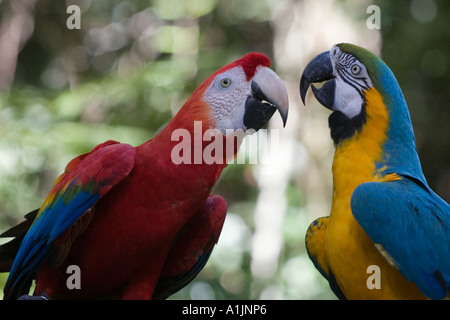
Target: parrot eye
{"type": "Point", "coordinates": [225, 83]}
{"type": "Point", "coordinates": [355, 69]}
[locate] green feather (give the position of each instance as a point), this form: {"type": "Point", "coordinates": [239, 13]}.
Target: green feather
{"type": "Point", "coordinates": [372, 62]}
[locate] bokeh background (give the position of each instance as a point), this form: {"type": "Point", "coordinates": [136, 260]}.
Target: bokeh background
{"type": "Point", "coordinates": [131, 66]}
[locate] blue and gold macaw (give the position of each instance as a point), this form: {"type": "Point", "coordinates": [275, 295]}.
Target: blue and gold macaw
{"type": "Point", "coordinates": [383, 212]}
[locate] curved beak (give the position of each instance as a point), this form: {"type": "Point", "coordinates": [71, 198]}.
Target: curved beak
{"type": "Point", "coordinates": [318, 70]}
{"type": "Point", "coordinates": [268, 94]}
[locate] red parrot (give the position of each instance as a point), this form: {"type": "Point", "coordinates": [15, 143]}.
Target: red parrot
{"type": "Point", "coordinates": [136, 224]}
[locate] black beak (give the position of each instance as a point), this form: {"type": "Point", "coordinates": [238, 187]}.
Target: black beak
{"type": "Point", "coordinates": [258, 109]}
{"type": "Point", "coordinates": [268, 94]}
{"type": "Point", "coordinates": [318, 70]}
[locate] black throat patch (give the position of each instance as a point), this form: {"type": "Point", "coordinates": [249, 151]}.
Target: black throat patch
{"type": "Point", "coordinates": [342, 127]}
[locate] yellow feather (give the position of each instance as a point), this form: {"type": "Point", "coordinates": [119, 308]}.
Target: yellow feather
{"type": "Point", "coordinates": [349, 251]}
{"type": "Point", "coordinates": [315, 242]}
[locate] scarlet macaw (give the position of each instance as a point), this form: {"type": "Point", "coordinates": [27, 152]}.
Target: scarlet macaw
{"type": "Point", "coordinates": [136, 224]}
{"type": "Point", "coordinates": [383, 212]}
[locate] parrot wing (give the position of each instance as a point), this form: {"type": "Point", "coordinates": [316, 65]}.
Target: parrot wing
{"type": "Point", "coordinates": [410, 226]}
{"type": "Point", "coordinates": [8, 250]}
{"type": "Point", "coordinates": [68, 207]}
{"type": "Point", "coordinates": [192, 247]}
{"type": "Point", "coordinates": [315, 247]}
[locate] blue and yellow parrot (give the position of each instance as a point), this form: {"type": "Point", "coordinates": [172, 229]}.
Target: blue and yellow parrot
{"type": "Point", "coordinates": [383, 212]}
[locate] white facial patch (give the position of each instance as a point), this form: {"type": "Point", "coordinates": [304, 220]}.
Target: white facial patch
{"type": "Point", "coordinates": [351, 79]}
{"type": "Point", "coordinates": [347, 99]}
{"type": "Point", "coordinates": [226, 96]}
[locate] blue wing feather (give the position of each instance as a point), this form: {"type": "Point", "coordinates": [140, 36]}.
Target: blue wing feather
{"type": "Point", "coordinates": [87, 178]}
{"type": "Point", "coordinates": [412, 223]}
{"type": "Point", "coordinates": [37, 244]}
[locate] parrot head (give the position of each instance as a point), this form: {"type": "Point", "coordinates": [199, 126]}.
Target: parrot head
{"type": "Point", "coordinates": [360, 89]}
{"type": "Point", "coordinates": [348, 74]}
{"type": "Point", "coordinates": [241, 95]}
{"type": "Point", "coordinates": [347, 78]}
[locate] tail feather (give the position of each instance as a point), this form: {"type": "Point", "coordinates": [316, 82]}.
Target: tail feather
{"type": "Point", "coordinates": [9, 249]}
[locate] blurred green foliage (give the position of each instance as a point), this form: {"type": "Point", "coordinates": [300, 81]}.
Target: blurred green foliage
{"type": "Point", "coordinates": [130, 67]}
{"type": "Point", "coordinates": [416, 45]}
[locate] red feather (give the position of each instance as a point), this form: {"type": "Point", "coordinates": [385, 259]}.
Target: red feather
{"type": "Point", "coordinates": [136, 231]}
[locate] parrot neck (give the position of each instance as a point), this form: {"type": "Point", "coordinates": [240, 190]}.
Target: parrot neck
{"type": "Point", "coordinates": [189, 148]}
{"type": "Point", "coordinates": [391, 138]}
{"type": "Point", "coordinates": [399, 149]}
{"type": "Point", "coordinates": [360, 158]}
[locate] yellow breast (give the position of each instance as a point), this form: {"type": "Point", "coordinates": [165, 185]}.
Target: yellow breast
{"type": "Point", "coordinates": [349, 250]}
